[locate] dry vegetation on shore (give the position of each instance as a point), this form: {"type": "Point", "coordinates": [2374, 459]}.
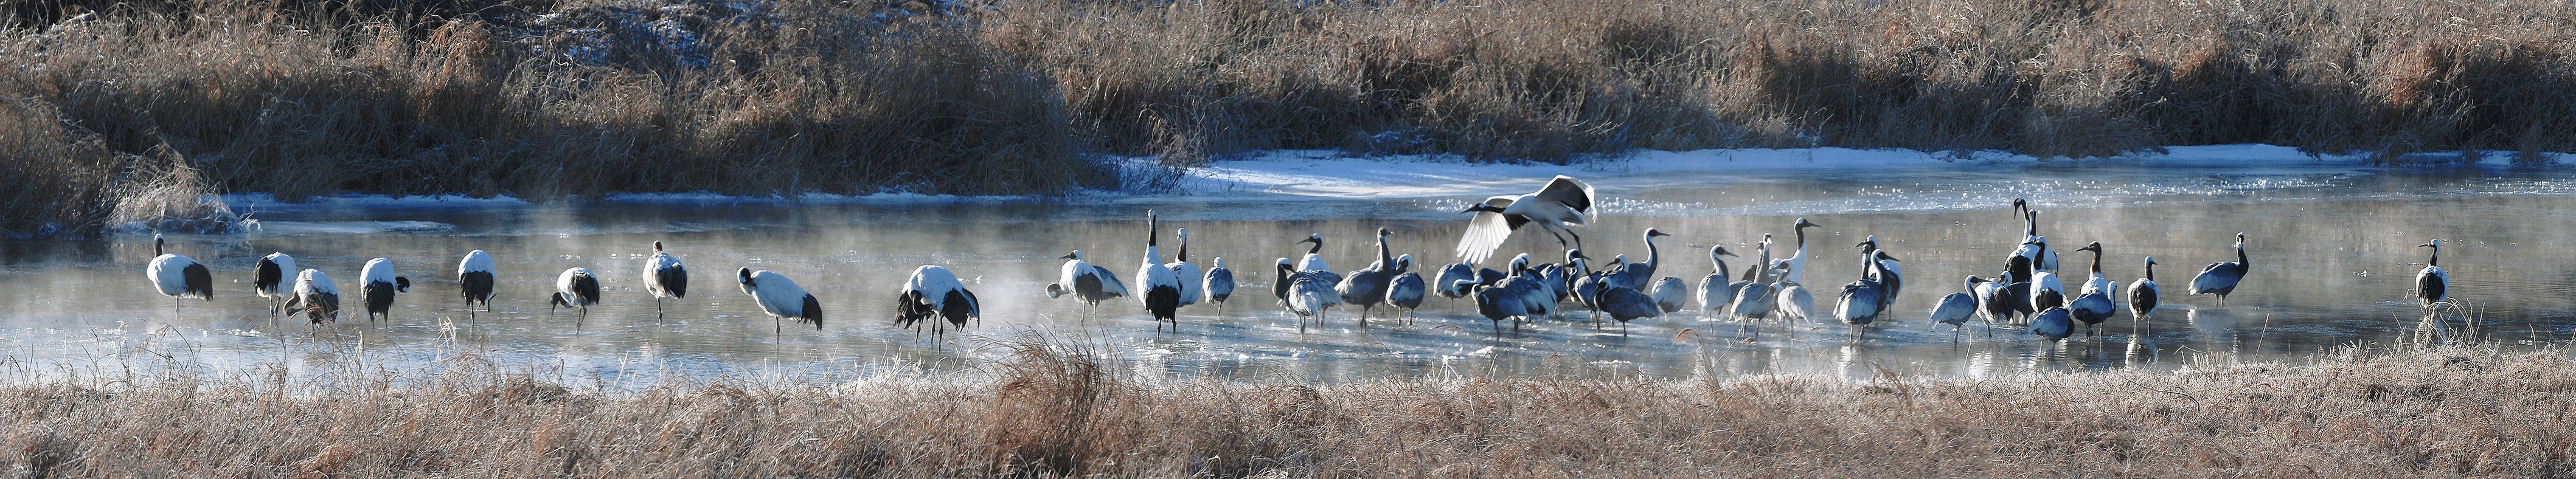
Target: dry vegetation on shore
{"type": "Point", "coordinates": [1052, 411]}
{"type": "Point", "coordinates": [585, 97]}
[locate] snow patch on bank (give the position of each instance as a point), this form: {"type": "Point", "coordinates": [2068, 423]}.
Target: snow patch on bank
{"type": "Point", "coordinates": [1302, 175]}
{"type": "Point", "coordinates": [349, 227]}
{"type": "Point", "coordinates": [265, 202]}
{"type": "Point", "coordinates": [1327, 174]}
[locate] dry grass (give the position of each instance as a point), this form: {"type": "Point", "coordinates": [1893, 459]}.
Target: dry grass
{"type": "Point", "coordinates": [1553, 80]}
{"type": "Point", "coordinates": [585, 97]}
{"type": "Point", "coordinates": [538, 99]}
{"type": "Point", "coordinates": [1058, 411]}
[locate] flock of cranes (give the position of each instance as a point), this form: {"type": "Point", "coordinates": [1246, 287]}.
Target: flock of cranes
{"type": "Point", "coordinates": [2028, 291]}
{"type": "Point", "coordinates": [314, 296]}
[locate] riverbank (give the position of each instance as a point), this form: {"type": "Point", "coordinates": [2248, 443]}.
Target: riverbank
{"type": "Point", "coordinates": [1061, 410]}
{"type": "Point", "coordinates": [131, 111]}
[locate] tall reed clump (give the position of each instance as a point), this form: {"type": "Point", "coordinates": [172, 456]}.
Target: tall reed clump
{"type": "Point", "coordinates": [1056, 410]}
{"type": "Point", "coordinates": [62, 181]}
{"type": "Point", "coordinates": [67, 190]}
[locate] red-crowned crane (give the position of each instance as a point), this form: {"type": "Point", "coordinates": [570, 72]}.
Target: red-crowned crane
{"type": "Point", "coordinates": [274, 279]}
{"type": "Point", "coordinates": [933, 291]}
{"type": "Point", "coordinates": [576, 288]}
{"type": "Point", "coordinates": [474, 275]}
{"type": "Point", "coordinates": [664, 277]}
{"type": "Point", "coordinates": [1161, 290]}
{"type": "Point", "coordinates": [780, 297]}
{"type": "Point", "coordinates": [316, 296]}
{"type": "Point", "coordinates": [1562, 203]}
{"type": "Point", "coordinates": [178, 276]}
{"type": "Point", "coordinates": [378, 283]}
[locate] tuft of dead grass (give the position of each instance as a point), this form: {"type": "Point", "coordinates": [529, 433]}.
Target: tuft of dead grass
{"type": "Point", "coordinates": [1057, 410]}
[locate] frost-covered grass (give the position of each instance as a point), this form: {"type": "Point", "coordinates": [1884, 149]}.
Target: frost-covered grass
{"type": "Point", "coordinates": [757, 98]}
{"type": "Point", "coordinates": [1056, 410]}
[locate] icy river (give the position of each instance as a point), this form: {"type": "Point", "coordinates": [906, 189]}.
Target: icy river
{"type": "Point", "coordinates": [2335, 248]}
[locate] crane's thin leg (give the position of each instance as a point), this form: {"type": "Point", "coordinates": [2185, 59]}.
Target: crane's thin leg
{"type": "Point", "coordinates": [1560, 238]}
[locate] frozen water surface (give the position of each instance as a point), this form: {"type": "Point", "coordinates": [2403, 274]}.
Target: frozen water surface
{"type": "Point", "coordinates": [2333, 244]}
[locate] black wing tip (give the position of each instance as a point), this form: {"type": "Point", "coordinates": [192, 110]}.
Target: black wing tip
{"type": "Point", "coordinates": [675, 280]}
{"type": "Point", "coordinates": [813, 312]}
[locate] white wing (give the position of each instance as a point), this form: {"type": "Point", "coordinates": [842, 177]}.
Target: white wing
{"type": "Point", "coordinates": [1485, 232]}
{"type": "Point", "coordinates": [319, 282]}
{"type": "Point", "coordinates": [1573, 193]}
{"type": "Point", "coordinates": [2099, 285]}
{"type": "Point", "coordinates": [1313, 262]}
{"type": "Point", "coordinates": [377, 270]}
{"type": "Point", "coordinates": [473, 262]}
{"type": "Point", "coordinates": [1189, 278]}
{"type": "Point", "coordinates": [1109, 282]}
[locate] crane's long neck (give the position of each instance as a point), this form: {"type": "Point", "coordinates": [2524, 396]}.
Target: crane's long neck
{"type": "Point", "coordinates": [1721, 262]}
{"type": "Point", "coordinates": [1283, 271]}
{"type": "Point", "coordinates": [1384, 256]}
{"type": "Point", "coordinates": [1760, 270]}
{"type": "Point", "coordinates": [1802, 244]}
{"type": "Point", "coordinates": [1653, 256]}
{"type": "Point", "coordinates": [2240, 255]}
{"type": "Point", "coordinates": [1318, 248]}
{"type": "Point", "coordinates": [1868, 266]}
{"type": "Point", "coordinates": [2030, 224]}
{"type": "Point", "coordinates": [2435, 262]}
{"type": "Point", "coordinates": [2151, 271]}
{"type": "Point", "coordinates": [1185, 245]}
{"type": "Point", "coordinates": [1151, 227]}
{"type": "Point", "coordinates": [2097, 262]}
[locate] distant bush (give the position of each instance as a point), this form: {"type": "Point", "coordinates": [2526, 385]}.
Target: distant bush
{"type": "Point", "coordinates": [545, 98]}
